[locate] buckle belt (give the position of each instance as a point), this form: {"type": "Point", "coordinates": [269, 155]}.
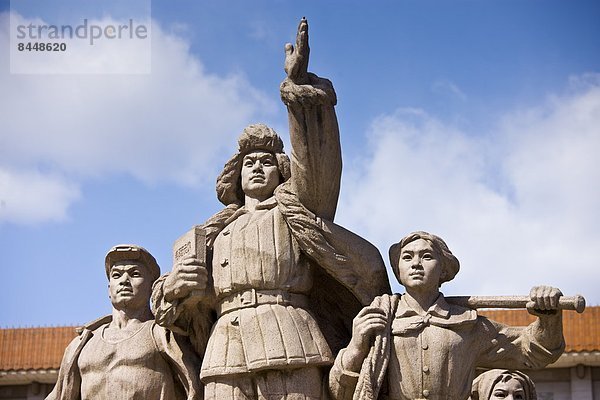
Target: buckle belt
{"type": "Point", "coordinates": [253, 298]}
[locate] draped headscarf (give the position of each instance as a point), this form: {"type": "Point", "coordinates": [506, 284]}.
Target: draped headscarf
{"type": "Point", "coordinates": [484, 384]}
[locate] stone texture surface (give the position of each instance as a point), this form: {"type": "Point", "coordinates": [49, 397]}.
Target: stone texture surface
{"type": "Point", "coordinates": [270, 299]}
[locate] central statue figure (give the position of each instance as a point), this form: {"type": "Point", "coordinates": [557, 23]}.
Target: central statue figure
{"type": "Point", "coordinates": [283, 280]}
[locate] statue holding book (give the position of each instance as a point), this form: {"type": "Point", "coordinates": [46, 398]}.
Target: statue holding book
{"type": "Point", "coordinates": [282, 280]}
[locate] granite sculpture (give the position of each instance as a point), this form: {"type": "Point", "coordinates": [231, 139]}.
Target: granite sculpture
{"type": "Point", "coordinates": [501, 384]}
{"type": "Point", "coordinates": [419, 346]}
{"type": "Point", "coordinates": [270, 299]}
{"type": "Point", "coordinates": [126, 355]}
{"type": "Point", "coordinates": [283, 280]}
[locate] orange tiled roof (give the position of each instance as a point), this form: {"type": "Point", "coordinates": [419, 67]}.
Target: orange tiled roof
{"type": "Point", "coordinates": [33, 348]}
{"type": "Point", "coordinates": [582, 331]}
{"type": "Point", "coordinates": [42, 348]}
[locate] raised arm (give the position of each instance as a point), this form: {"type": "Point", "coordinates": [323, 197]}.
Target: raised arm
{"type": "Point", "coordinates": [314, 134]}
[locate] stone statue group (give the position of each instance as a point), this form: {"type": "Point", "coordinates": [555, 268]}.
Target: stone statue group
{"type": "Point", "coordinates": [282, 303]}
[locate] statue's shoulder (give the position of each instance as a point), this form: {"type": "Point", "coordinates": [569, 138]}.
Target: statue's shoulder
{"type": "Point", "coordinates": [461, 315]}
{"type": "Point", "coordinates": [464, 313]}
{"type": "Point", "coordinates": [94, 324]}
{"type": "Point", "coordinates": [387, 302]}
{"type": "Point", "coordinates": [394, 298]}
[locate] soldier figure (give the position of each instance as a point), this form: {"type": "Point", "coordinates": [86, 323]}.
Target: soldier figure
{"type": "Point", "coordinates": [275, 256]}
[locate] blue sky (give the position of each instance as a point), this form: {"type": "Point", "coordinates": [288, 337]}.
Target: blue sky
{"type": "Point", "coordinates": [478, 121]}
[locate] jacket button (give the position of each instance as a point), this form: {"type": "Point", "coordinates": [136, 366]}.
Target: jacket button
{"type": "Point", "coordinates": [425, 393]}
{"type": "Point", "coordinates": [224, 262]}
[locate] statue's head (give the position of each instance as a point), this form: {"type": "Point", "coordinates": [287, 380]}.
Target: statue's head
{"type": "Point", "coordinates": [423, 259]}
{"type": "Point", "coordinates": [503, 384]}
{"type": "Point", "coordinates": [131, 271]}
{"type": "Point", "coordinates": [257, 168]}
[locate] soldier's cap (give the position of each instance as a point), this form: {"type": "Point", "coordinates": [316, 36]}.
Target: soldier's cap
{"type": "Point", "coordinates": [131, 252]}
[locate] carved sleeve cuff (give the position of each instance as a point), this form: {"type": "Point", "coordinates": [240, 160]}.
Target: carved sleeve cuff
{"type": "Point", "coordinates": [347, 377]}
{"type": "Point", "coordinates": [540, 355]}
{"type": "Point", "coordinates": [166, 313]}
{"type": "Point", "coordinates": [342, 382]}
{"type": "Point", "coordinates": [318, 92]}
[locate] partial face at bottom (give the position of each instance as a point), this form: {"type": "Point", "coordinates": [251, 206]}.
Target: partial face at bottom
{"type": "Point", "coordinates": [510, 389]}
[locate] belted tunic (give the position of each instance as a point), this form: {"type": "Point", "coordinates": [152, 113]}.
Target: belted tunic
{"type": "Point", "coordinates": [264, 262]}
{"type": "Point", "coordinates": [261, 279]}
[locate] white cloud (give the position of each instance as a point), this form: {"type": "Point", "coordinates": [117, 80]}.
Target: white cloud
{"type": "Point", "coordinates": [28, 197]}
{"type": "Point", "coordinates": [170, 125]}
{"type": "Point", "coordinates": [518, 206]}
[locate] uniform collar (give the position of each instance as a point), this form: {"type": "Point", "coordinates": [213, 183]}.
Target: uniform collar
{"type": "Point", "coordinates": [440, 314]}
{"type": "Point", "coordinates": [267, 204]}
{"type": "Point", "coordinates": [440, 308]}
